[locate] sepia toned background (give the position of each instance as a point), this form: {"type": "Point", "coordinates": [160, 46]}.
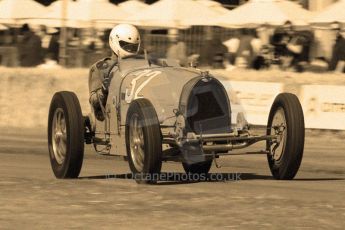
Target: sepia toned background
{"type": "Point", "coordinates": [48, 46]}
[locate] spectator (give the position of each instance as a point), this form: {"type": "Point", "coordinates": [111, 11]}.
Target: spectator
{"type": "Point", "coordinates": [292, 47]}
{"type": "Point", "coordinates": [46, 36]}
{"type": "Point", "coordinates": [299, 47]}
{"type": "Point", "coordinates": [256, 43]}
{"type": "Point", "coordinates": [258, 59]}
{"type": "Point", "coordinates": [280, 38]}
{"type": "Point", "coordinates": [8, 50]}
{"type": "Point", "coordinates": [6, 37]}
{"type": "Point", "coordinates": [338, 54]}
{"type": "Point", "coordinates": [30, 50]}
{"type": "Point", "coordinates": [54, 46]}
{"type": "Point", "coordinates": [232, 44]}
{"type": "Point", "coordinates": [2, 37]}
{"type": "Point", "coordinates": [50, 43]}
{"type": "Point", "coordinates": [264, 32]}
{"type": "Point", "coordinates": [177, 50]}
{"type": "Point", "coordinates": [213, 52]}
{"type": "Point", "coordinates": [218, 53]}
{"type": "Point", "coordinates": [245, 50]}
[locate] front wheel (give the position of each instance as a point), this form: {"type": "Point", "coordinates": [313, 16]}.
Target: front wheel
{"type": "Point", "coordinates": [65, 135]}
{"type": "Point", "coordinates": [285, 120]}
{"type": "Point", "coordinates": [143, 141]}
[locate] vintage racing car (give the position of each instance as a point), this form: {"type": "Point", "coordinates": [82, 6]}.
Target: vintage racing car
{"type": "Point", "coordinates": [158, 111]}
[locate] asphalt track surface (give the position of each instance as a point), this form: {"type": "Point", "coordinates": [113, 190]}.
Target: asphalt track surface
{"type": "Point", "coordinates": [31, 197]}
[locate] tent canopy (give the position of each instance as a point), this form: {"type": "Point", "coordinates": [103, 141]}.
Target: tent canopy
{"type": "Point", "coordinates": [2, 27]}
{"type": "Point", "coordinates": [272, 12]}
{"type": "Point", "coordinates": [83, 14]}
{"type": "Point", "coordinates": [97, 10]}
{"type": "Point", "coordinates": [132, 7]}
{"type": "Point", "coordinates": [174, 14]}
{"type": "Point", "coordinates": [53, 15]}
{"type": "Point", "coordinates": [335, 12]}
{"type": "Point", "coordinates": [216, 6]}
{"type": "Point", "coordinates": [13, 10]}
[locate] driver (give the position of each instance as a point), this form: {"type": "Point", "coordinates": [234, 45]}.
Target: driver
{"type": "Point", "coordinates": [124, 40]}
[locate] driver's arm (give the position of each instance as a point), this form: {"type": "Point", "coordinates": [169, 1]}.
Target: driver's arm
{"type": "Point", "coordinates": [99, 80]}
{"type": "Point", "coordinates": [95, 86]}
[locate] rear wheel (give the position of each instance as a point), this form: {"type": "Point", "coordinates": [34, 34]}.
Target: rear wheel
{"type": "Point", "coordinates": [143, 141]}
{"type": "Point", "coordinates": [287, 121]}
{"type": "Point", "coordinates": [65, 135]}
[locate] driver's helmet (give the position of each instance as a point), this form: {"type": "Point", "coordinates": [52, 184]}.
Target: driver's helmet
{"type": "Point", "coordinates": [124, 40]}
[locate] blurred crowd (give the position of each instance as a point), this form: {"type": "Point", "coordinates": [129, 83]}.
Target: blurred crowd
{"type": "Point", "coordinates": [256, 34]}
{"type": "Point", "coordinates": [40, 46]}
{"type": "Point", "coordinates": [258, 48]}
{"type": "Point", "coordinates": [286, 47]}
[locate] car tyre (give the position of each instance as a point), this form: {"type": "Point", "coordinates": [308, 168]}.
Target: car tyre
{"type": "Point", "coordinates": [65, 135]}
{"type": "Point", "coordinates": [143, 142]}
{"type": "Point", "coordinates": [286, 119]}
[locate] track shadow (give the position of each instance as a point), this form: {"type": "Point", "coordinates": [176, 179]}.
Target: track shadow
{"type": "Point", "coordinates": [108, 176]}
{"type": "Point", "coordinates": [212, 177]}
{"type": "Point", "coordinates": [319, 179]}
{"type": "Point", "coordinates": [173, 178]}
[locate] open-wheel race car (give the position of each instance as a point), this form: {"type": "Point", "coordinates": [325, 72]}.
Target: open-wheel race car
{"type": "Point", "coordinates": [164, 112]}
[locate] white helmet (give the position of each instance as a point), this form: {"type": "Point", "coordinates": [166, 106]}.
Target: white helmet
{"type": "Point", "coordinates": [124, 40]}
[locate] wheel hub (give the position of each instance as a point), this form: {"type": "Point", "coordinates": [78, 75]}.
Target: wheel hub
{"type": "Point", "coordinates": [59, 136]}
{"type": "Point", "coordinates": [278, 128]}
{"type": "Point", "coordinates": [136, 139]}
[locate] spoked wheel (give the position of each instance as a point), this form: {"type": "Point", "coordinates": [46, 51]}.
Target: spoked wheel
{"type": "Point", "coordinates": [65, 135]}
{"type": "Point", "coordinates": [143, 141]}
{"type": "Point", "coordinates": [285, 120]}
{"type": "Point", "coordinates": [59, 136]}
{"type": "Point", "coordinates": [136, 142]}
